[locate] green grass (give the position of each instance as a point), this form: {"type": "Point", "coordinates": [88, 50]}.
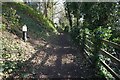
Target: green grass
{"type": "Point", "coordinates": [38, 25]}
{"type": "Point", "coordinates": [34, 28]}
{"type": "Point", "coordinates": [34, 14]}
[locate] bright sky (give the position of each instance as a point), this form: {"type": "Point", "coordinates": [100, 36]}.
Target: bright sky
{"type": "Point", "coordinates": [59, 7]}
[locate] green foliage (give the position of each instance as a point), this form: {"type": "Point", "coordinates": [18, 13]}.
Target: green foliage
{"type": "Point", "coordinates": [33, 13]}
{"type": "Point", "coordinates": [117, 40]}
{"type": "Point", "coordinates": [66, 29]}
{"type": "Point", "coordinates": [100, 22]}
{"type": "Point", "coordinates": [104, 72]}
{"type": "Point", "coordinates": [75, 34]}
{"type": "Point", "coordinates": [13, 53]}
{"type": "Point", "coordinates": [12, 18]}
{"type": "Point", "coordinates": [103, 33]}
{"type": "Point", "coordinates": [6, 55]}
{"type": "Point", "coordinates": [3, 27]}
{"type": "Point", "coordinates": [9, 66]}
{"type": "Point", "coordinates": [18, 14]}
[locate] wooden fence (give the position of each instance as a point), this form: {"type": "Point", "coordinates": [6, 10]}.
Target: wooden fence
{"type": "Point", "coordinates": [90, 51]}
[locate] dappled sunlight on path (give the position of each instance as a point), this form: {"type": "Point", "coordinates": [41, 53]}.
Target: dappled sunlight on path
{"type": "Point", "coordinates": [57, 58]}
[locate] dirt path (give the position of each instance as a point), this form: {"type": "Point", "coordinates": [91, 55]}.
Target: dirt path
{"type": "Point", "coordinates": [58, 58]}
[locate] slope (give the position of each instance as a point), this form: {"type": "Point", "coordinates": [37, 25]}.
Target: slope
{"type": "Point", "coordinates": [14, 50]}
{"type": "Point", "coordinates": [52, 56]}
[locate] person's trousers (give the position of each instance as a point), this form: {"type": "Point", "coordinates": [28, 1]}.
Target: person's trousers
{"type": "Point", "coordinates": [24, 35]}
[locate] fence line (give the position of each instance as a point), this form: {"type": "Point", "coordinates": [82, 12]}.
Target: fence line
{"type": "Point", "coordinates": [89, 50]}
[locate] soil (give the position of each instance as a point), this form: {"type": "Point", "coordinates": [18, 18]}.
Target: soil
{"type": "Point", "coordinates": [57, 58]}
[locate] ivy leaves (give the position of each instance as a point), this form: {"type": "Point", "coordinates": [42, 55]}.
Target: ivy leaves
{"type": "Point", "coordinates": [103, 33]}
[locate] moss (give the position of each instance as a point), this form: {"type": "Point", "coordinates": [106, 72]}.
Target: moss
{"type": "Point", "coordinates": [33, 13]}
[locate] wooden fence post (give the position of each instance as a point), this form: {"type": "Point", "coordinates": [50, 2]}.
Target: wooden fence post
{"type": "Point", "coordinates": [97, 45]}
{"type": "Point", "coordinates": [83, 40]}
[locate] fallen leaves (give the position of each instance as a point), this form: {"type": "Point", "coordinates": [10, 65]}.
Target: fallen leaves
{"type": "Point", "coordinates": [51, 60]}
{"type": "Point", "coordinates": [38, 58]}
{"type": "Point", "coordinates": [67, 58]}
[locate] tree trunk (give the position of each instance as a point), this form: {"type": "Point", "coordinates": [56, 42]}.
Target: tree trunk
{"type": "Point", "coordinates": [69, 17]}
{"type": "Point", "coordinates": [45, 9]}
{"type": "Point", "coordinates": [77, 22]}
{"type": "Point", "coordinates": [52, 11]}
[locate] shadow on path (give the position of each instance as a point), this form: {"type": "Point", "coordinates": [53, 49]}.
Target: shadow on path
{"type": "Point", "coordinates": [58, 58]}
